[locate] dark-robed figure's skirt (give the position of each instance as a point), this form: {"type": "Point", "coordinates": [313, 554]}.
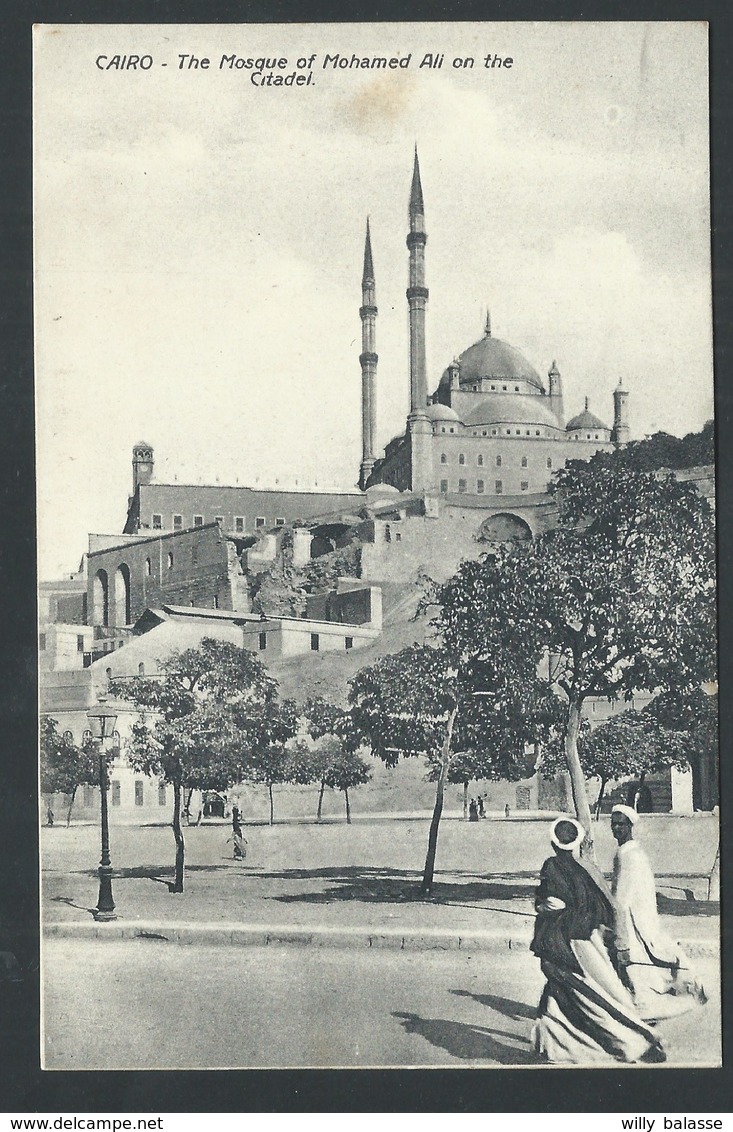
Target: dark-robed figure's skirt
{"type": "Point", "coordinates": [585, 1014]}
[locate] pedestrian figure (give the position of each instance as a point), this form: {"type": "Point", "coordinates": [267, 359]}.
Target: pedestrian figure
{"type": "Point", "coordinates": [585, 1014]}
{"type": "Point", "coordinates": [240, 851]}
{"type": "Point", "coordinates": [480, 804]}
{"type": "Point", "coordinates": [655, 969]}
{"type": "Point", "coordinates": [49, 816]}
{"type": "Point", "coordinates": [639, 798]}
{"type": "Point", "coordinates": [472, 810]}
{"type": "Point", "coordinates": [506, 810]}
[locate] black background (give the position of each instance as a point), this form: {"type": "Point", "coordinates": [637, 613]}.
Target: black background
{"type": "Point", "coordinates": [23, 1087]}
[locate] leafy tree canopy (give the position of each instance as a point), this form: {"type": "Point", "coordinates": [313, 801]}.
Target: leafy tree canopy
{"type": "Point", "coordinates": [620, 597]}
{"type": "Point", "coordinates": [64, 766]}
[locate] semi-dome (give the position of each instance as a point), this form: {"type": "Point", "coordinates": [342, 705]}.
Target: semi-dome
{"type": "Point", "coordinates": [492, 358]}
{"type": "Point", "coordinates": [442, 413]}
{"type": "Point", "coordinates": [512, 409]}
{"type": "Point", "coordinates": [586, 419]}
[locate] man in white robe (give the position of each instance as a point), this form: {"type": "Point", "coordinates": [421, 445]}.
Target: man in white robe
{"type": "Point", "coordinates": [654, 967]}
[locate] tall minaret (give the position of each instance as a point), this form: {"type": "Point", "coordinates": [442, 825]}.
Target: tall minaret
{"type": "Point", "coordinates": [621, 432]}
{"type": "Point", "coordinates": [368, 361]}
{"type": "Point", "coordinates": [418, 423]}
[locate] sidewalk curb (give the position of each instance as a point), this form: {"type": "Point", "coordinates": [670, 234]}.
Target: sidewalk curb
{"type": "Point", "coordinates": [269, 935]}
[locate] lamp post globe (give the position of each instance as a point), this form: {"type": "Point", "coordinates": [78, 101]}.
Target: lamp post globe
{"type": "Point", "coordinates": [102, 719]}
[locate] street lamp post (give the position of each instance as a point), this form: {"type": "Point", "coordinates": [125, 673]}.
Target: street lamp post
{"type": "Point", "coordinates": [102, 720]}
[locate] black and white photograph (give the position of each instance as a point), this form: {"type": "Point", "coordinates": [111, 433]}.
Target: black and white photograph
{"type": "Point", "coordinates": [375, 458]}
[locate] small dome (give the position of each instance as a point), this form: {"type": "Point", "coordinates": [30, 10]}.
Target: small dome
{"type": "Point", "coordinates": [143, 444]}
{"type": "Point", "coordinates": [379, 490]}
{"type": "Point", "coordinates": [511, 409]}
{"type": "Point", "coordinates": [586, 419]}
{"type": "Point", "coordinates": [442, 413]}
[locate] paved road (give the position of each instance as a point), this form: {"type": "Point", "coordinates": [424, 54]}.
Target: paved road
{"type": "Point", "coordinates": [150, 1005]}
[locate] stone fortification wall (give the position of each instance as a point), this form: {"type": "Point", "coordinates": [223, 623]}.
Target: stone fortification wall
{"type": "Point", "coordinates": [436, 544]}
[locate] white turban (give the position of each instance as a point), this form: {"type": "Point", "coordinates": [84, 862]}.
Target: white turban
{"type": "Point", "coordinates": [570, 845]}
{"type": "Point", "coordinates": [627, 811]}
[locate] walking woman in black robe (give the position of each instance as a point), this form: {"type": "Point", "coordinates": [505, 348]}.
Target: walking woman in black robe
{"type": "Point", "coordinates": [585, 1014]}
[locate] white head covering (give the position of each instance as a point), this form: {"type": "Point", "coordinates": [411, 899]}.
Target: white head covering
{"type": "Point", "coordinates": [570, 845]}
{"type": "Point", "coordinates": [627, 812]}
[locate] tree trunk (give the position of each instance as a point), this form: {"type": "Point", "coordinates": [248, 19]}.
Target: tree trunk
{"type": "Point", "coordinates": [71, 806]}
{"type": "Point", "coordinates": [465, 801]}
{"type": "Point", "coordinates": [714, 878]}
{"type": "Point", "coordinates": [187, 807]}
{"type": "Point", "coordinates": [426, 887]}
{"type": "Point", "coordinates": [348, 811]}
{"type": "Point", "coordinates": [178, 834]}
{"type": "Point", "coordinates": [272, 805]}
{"type": "Point", "coordinates": [599, 800]}
{"type": "Point", "coordinates": [320, 799]}
{"type": "Point", "coordinates": [577, 778]}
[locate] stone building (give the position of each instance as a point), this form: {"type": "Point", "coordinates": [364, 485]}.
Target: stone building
{"type": "Point", "coordinates": [239, 511]}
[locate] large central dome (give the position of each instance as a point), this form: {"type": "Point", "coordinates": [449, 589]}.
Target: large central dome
{"type": "Point", "coordinates": [492, 358]}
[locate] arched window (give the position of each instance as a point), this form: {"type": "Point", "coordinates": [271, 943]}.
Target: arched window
{"type": "Point", "coordinates": [68, 737]}
{"type": "Point", "coordinates": [100, 598]}
{"type": "Point", "coordinates": [170, 561]}
{"type": "Point", "coordinates": [524, 461]}
{"type": "Point", "coordinates": [443, 458]}
{"type": "Point", "coordinates": [86, 737]}
{"type": "Point", "coordinates": [141, 669]}
{"type": "Point", "coordinates": [122, 594]}
{"type": "Point", "coordinates": [549, 462]}
{"type": "Point", "coordinates": [108, 673]}
{"type": "Point", "coordinates": [116, 742]}
{"type": "Point", "coordinates": [480, 460]}
{"type": "Point", "coordinates": [498, 461]}
{"type": "Point", "coordinates": [461, 458]}
{"type": "Point", "coordinates": [148, 567]}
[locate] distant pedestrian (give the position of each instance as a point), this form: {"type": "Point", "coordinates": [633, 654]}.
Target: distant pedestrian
{"type": "Point", "coordinates": [240, 851]}
{"type": "Point", "coordinates": [49, 816]}
{"type": "Point", "coordinates": [472, 810]}
{"type": "Point", "coordinates": [480, 804]}
{"type": "Point", "coordinates": [507, 811]}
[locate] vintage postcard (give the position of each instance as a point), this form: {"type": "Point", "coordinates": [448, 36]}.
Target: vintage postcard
{"type": "Point", "coordinates": [376, 494]}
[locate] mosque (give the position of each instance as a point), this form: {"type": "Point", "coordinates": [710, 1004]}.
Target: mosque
{"type": "Point", "coordinates": [491, 428]}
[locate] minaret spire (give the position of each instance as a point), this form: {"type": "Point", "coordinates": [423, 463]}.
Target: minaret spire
{"type": "Point", "coordinates": [368, 272]}
{"type": "Point", "coordinates": [368, 360]}
{"type": "Point", "coordinates": [418, 422]}
{"type": "Point", "coordinates": [487, 328]}
{"type": "Point", "coordinates": [417, 206]}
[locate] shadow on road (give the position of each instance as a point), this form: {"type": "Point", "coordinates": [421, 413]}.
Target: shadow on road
{"type": "Point", "coordinates": [671, 906]}
{"type": "Point", "coordinates": [396, 886]}
{"type": "Point", "coordinates": [508, 1006]}
{"type": "Point", "coordinates": [471, 1043]}
{"type": "Point", "coordinates": [160, 873]}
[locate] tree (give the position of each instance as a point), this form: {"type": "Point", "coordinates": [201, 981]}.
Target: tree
{"type": "Point", "coordinates": [328, 724]}
{"type": "Point", "coordinates": [632, 743]}
{"type": "Point", "coordinates": [201, 722]}
{"type": "Point", "coordinates": [272, 762]}
{"type": "Point", "coordinates": [424, 701]}
{"type": "Point", "coordinates": [619, 598]}
{"type": "Point", "coordinates": [346, 770]}
{"type": "Point", "coordinates": [65, 767]}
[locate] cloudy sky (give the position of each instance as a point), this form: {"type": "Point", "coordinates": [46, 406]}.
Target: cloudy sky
{"type": "Point", "coordinates": [199, 241]}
